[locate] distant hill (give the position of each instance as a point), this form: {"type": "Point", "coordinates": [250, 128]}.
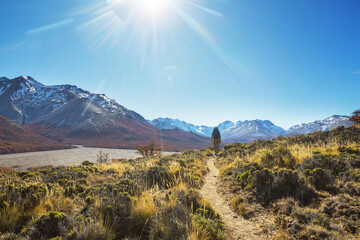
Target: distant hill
{"type": "Point", "coordinates": [14, 139]}
{"type": "Point", "coordinates": [72, 115]}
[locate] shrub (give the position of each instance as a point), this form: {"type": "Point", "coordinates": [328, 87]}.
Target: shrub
{"type": "Point", "coordinates": [348, 150]}
{"type": "Point", "coordinates": [160, 176]}
{"type": "Point", "coordinates": [115, 212]}
{"type": "Point", "coordinates": [50, 225]}
{"type": "Point", "coordinates": [173, 221]}
{"type": "Point", "coordinates": [149, 150]}
{"type": "Point", "coordinates": [103, 157]}
{"type": "Point", "coordinates": [321, 179]}
{"type": "Point", "coordinates": [279, 157]}
{"type": "Point", "coordinates": [213, 229]}
{"type": "Point", "coordinates": [333, 163]}
{"type": "Point", "coordinates": [88, 163]}
{"type": "Point", "coordinates": [244, 174]}
{"type": "Point", "coordinates": [268, 185]}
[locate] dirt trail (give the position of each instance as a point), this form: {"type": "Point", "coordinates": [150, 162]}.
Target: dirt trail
{"type": "Point", "coordinates": [236, 226]}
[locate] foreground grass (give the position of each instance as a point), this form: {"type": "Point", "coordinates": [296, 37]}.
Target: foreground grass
{"type": "Point", "coordinates": [153, 198]}
{"type": "Point", "coordinates": [310, 183]}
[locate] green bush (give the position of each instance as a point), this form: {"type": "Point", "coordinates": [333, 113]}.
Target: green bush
{"type": "Point", "coordinates": [320, 178]}
{"type": "Point", "coordinates": [244, 174]}
{"type": "Point", "coordinates": [268, 185]}
{"type": "Point", "coordinates": [115, 211]}
{"type": "Point", "coordinates": [279, 157]}
{"type": "Point", "coordinates": [333, 163]}
{"type": "Point", "coordinates": [50, 225]}
{"type": "Point", "coordinates": [87, 163]}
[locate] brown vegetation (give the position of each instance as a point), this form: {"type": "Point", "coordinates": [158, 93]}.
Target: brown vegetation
{"type": "Point", "coordinates": [355, 118]}
{"type": "Point", "coordinates": [149, 150]}
{"type": "Point", "coordinates": [14, 139]}
{"type": "Point", "coordinates": [126, 134]}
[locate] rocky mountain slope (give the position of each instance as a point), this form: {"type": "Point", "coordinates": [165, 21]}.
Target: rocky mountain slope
{"type": "Point", "coordinates": [14, 138]}
{"type": "Point", "coordinates": [72, 115]}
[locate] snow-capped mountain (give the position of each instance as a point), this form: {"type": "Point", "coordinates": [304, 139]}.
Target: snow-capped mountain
{"type": "Point", "coordinates": [24, 100]}
{"type": "Point", "coordinates": [70, 114]}
{"type": "Point", "coordinates": [169, 123]}
{"type": "Point", "coordinates": [239, 131]}
{"type": "Point", "coordinates": [320, 125]}
{"type": "Point", "coordinates": [227, 124]}
{"type": "Point", "coordinates": [248, 131]}
{"type": "Point", "coordinates": [252, 130]}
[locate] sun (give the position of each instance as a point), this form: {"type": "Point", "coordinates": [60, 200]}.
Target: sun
{"type": "Point", "coordinates": [154, 7]}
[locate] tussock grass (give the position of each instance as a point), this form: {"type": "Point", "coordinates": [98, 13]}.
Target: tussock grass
{"type": "Point", "coordinates": [152, 198]}
{"type": "Point", "coordinates": [310, 182]}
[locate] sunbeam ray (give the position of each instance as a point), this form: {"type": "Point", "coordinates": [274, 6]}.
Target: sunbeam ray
{"type": "Point", "coordinates": [92, 99]}
{"type": "Point", "coordinates": [50, 26]}
{"type": "Point", "coordinates": [205, 9]}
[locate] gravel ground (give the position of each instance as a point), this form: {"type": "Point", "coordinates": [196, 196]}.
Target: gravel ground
{"type": "Point", "coordinates": [22, 161]}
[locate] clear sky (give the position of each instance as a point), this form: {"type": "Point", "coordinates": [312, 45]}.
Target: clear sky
{"type": "Point", "coordinates": [202, 61]}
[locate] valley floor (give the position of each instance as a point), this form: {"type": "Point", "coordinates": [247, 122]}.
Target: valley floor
{"type": "Point", "coordinates": [66, 157]}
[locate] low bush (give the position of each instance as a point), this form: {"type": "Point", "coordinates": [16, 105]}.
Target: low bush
{"type": "Point", "coordinates": [50, 225]}
{"type": "Point", "coordinates": [321, 179]}
{"type": "Point", "coordinates": [268, 185]}
{"type": "Point", "coordinates": [279, 157]}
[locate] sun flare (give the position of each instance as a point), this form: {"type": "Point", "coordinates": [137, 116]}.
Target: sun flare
{"type": "Point", "coordinates": [154, 7]}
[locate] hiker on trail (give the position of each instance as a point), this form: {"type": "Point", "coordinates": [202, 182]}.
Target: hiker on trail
{"type": "Point", "coordinates": [216, 139]}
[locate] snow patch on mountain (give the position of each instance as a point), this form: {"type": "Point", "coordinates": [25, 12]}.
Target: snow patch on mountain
{"type": "Point", "coordinates": [168, 123]}
{"type": "Point", "coordinates": [227, 124]}
{"type": "Point", "coordinates": [229, 130]}
{"type": "Point", "coordinates": [320, 125]}
{"type": "Point", "coordinates": [252, 130]}
{"type": "Point", "coordinates": [29, 95]}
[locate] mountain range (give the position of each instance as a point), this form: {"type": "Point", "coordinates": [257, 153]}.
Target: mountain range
{"type": "Point", "coordinates": [250, 130]}
{"type": "Point", "coordinates": [72, 115]}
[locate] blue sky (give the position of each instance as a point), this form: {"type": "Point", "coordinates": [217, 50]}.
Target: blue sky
{"type": "Point", "coordinates": [202, 61]}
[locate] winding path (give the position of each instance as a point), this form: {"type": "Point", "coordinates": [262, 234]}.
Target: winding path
{"type": "Point", "coordinates": [236, 226]}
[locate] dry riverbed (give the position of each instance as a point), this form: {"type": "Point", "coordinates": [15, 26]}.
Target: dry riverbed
{"type": "Point", "coordinates": [23, 161]}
